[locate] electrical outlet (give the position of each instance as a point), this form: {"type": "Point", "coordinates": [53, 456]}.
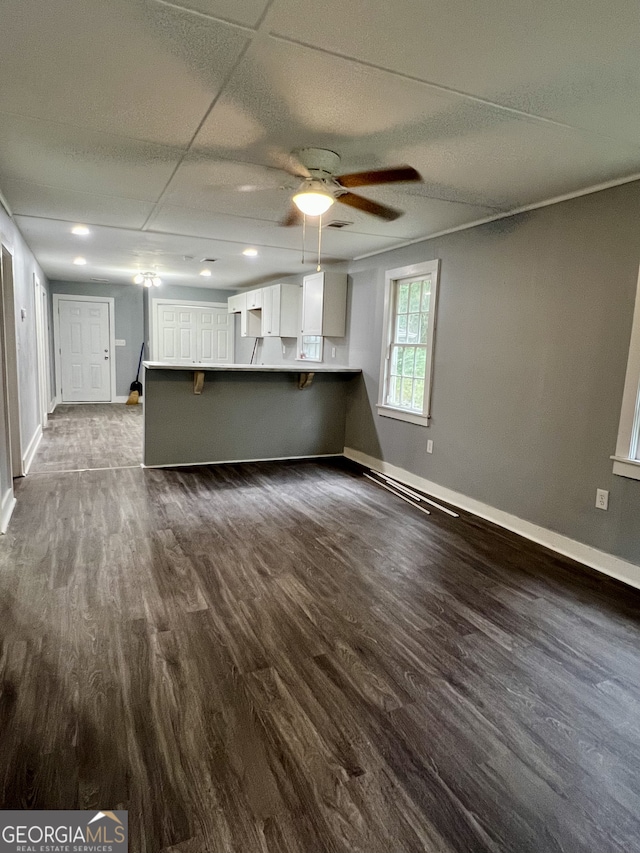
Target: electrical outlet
{"type": "Point", "coordinates": [429, 446]}
{"type": "Point", "coordinates": [602, 499]}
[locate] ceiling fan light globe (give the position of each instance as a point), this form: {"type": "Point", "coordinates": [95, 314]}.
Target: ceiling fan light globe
{"type": "Point", "coordinates": [313, 202]}
{"type": "Point", "coordinates": [138, 279]}
{"type": "Point", "coordinates": [155, 281]}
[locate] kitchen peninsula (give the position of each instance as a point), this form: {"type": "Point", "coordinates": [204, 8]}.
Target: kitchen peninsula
{"type": "Point", "coordinates": [207, 413]}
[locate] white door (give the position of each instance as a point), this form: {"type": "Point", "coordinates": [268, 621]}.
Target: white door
{"type": "Point", "coordinates": [176, 334]}
{"type": "Point", "coordinates": [214, 335]}
{"type": "Point", "coordinates": [85, 368]}
{"type": "Point", "coordinates": [192, 334]}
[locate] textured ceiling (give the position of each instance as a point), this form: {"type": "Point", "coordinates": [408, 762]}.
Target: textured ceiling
{"type": "Point", "coordinates": [163, 125]}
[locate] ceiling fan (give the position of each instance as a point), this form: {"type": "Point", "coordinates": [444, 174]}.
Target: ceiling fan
{"type": "Point", "coordinates": [321, 187]}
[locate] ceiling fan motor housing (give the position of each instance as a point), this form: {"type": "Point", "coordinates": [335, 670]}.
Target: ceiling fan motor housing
{"type": "Point", "coordinates": [320, 162]}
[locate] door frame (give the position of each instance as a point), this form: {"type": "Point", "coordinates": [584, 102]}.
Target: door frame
{"type": "Point", "coordinates": [42, 347]}
{"type": "Point", "coordinates": [189, 303]}
{"type": "Point", "coordinates": [11, 361]}
{"type": "Point", "coordinates": [68, 297]}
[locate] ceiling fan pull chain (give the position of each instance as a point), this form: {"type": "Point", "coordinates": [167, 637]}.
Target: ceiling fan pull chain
{"type": "Point", "coordinates": [318, 268]}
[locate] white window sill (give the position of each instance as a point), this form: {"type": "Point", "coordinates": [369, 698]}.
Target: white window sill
{"type": "Point", "coordinates": [401, 415]}
{"type": "Point", "coordinates": [626, 467]}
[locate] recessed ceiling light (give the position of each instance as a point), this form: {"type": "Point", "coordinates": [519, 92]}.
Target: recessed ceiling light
{"type": "Point", "coordinates": [80, 230]}
{"type": "Point", "coordinates": [205, 273]}
{"type": "Point", "coordinates": [79, 262]}
{"type": "Point", "coordinates": [250, 253]}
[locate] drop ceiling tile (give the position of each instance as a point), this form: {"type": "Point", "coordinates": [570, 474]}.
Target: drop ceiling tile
{"type": "Point", "coordinates": [262, 234]}
{"type": "Point", "coordinates": [523, 162]}
{"type": "Point", "coordinates": [137, 68]}
{"type": "Point", "coordinates": [118, 253]}
{"type": "Point", "coordinates": [224, 186]}
{"type": "Point", "coordinates": [81, 160]}
{"type": "Point", "coordinates": [284, 96]}
{"type": "Point", "coordinates": [247, 13]}
{"type": "Point", "coordinates": [569, 61]}
{"type": "Point", "coordinates": [54, 203]}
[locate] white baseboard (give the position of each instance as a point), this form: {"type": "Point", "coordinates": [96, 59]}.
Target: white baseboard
{"type": "Point", "coordinates": [58, 402]}
{"type": "Point", "coordinates": [52, 406]}
{"type": "Point", "coordinates": [608, 564]}
{"type": "Point", "coordinates": [6, 509]}
{"type": "Point", "coordinates": [30, 452]}
{"type": "Point", "coordinates": [242, 461]}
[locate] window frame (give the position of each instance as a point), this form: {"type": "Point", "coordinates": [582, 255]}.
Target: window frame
{"type": "Point", "coordinates": [626, 460]}
{"type": "Point", "coordinates": [392, 278]}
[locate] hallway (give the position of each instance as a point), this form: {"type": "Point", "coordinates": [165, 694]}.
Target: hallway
{"type": "Point", "coordinates": [90, 436]}
{"type": "Point", "coordinates": [283, 657]}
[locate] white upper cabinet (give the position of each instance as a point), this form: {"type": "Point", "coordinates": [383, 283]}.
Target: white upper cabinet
{"type": "Point", "coordinates": [237, 303]}
{"type": "Point", "coordinates": [249, 318]}
{"type": "Point", "coordinates": [254, 299]}
{"type": "Point", "coordinates": [324, 304]}
{"type": "Point", "coordinates": [280, 311]}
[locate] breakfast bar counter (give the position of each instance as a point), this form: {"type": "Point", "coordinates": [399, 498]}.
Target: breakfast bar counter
{"type": "Point", "coordinates": [210, 413]}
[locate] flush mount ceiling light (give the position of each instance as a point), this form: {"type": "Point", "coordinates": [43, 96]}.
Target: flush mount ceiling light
{"type": "Point", "coordinates": [79, 262]}
{"type": "Point", "coordinates": [250, 253]}
{"type": "Point", "coordinates": [80, 230]}
{"type": "Point", "coordinates": [148, 279]}
{"type": "Point", "coordinates": [313, 198]}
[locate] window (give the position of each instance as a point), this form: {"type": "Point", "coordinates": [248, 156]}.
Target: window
{"type": "Point", "coordinates": [310, 347]}
{"type": "Point", "coordinates": [407, 357]}
{"type": "Point", "coordinates": [626, 460]}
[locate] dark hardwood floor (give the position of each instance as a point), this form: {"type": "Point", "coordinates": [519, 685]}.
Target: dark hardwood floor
{"type": "Point", "coordinates": [90, 435]}
{"type": "Point", "coordinates": [285, 657]}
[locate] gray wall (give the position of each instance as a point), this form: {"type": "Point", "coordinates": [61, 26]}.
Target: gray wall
{"type": "Point", "coordinates": [189, 294]}
{"type": "Point", "coordinates": [532, 339]}
{"type": "Point", "coordinates": [129, 324]}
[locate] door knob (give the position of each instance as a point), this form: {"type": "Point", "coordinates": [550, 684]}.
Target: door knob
{"type": "Point", "coordinates": [106, 358]}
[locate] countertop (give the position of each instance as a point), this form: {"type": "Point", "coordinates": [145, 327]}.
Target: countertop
{"type": "Point", "coordinates": [298, 367]}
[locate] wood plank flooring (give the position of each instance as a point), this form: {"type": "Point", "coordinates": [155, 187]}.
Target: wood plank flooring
{"type": "Point", "coordinates": [91, 435]}
{"type": "Point", "coordinates": [284, 657]}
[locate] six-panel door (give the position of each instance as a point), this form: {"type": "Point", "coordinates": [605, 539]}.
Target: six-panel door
{"type": "Point", "coordinates": [85, 351]}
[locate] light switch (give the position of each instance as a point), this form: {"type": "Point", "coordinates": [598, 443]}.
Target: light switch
{"type": "Point", "coordinates": [120, 342]}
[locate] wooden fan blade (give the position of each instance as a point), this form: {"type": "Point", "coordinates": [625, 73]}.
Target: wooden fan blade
{"type": "Point", "coordinates": [293, 217]}
{"type": "Point", "coordinates": [398, 174]}
{"type": "Point", "coordinates": [368, 206]}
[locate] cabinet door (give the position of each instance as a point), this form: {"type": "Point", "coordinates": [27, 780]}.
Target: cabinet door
{"type": "Point", "coordinates": [236, 303]}
{"type": "Point", "coordinates": [254, 299]}
{"type": "Point", "coordinates": [312, 304]}
{"type": "Point", "coordinates": [271, 311]}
